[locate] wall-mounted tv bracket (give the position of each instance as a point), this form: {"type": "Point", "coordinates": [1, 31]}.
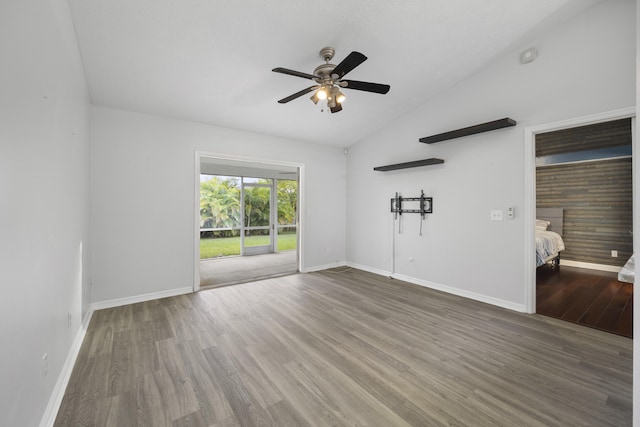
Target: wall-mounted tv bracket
{"type": "Point", "coordinates": [425, 206]}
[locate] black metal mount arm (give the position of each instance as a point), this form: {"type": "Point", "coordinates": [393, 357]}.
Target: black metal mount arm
{"type": "Point", "coordinates": [426, 204]}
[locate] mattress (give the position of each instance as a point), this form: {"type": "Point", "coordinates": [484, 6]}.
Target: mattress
{"type": "Point", "coordinates": [548, 244]}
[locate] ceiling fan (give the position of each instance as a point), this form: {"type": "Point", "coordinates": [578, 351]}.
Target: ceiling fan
{"type": "Point", "coordinates": [328, 78]}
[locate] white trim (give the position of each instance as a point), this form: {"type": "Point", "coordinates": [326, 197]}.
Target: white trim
{"type": "Point", "coordinates": [301, 223]}
{"type": "Point", "coordinates": [300, 231]}
{"type": "Point", "coordinates": [377, 271]}
{"type": "Point", "coordinates": [55, 400]}
{"type": "Point", "coordinates": [462, 293]}
{"type": "Point", "coordinates": [443, 288]}
{"type": "Point", "coordinates": [529, 220]}
{"type": "Point", "coordinates": [51, 412]}
{"type": "Point", "coordinates": [530, 188]}
{"type": "Point", "coordinates": [606, 116]}
{"type": "Point", "coordinates": [324, 267]}
{"type": "Point", "coordinates": [248, 159]}
{"type": "Point", "coordinates": [196, 225]}
{"type": "Point", "coordinates": [140, 298]}
{"type": "Point", "coordinates": [590, 266]}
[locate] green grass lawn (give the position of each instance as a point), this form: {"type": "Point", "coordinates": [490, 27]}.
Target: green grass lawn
{"type": "Point", "coordinates": [225, 246]}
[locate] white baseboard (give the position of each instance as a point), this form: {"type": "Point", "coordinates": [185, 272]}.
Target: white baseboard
{"type": "Point", "coordinates": [463, 293]}
{"type": "Point", "coordinates": [590, 266]}
{"type": "Point", "coordinates": [140, 298]}
{"type": "Point", "coordinates": [448, 289]}
{"type": "Point", "coordinates": [51, 412]}
{"type": "Point", "coordinates": [324, 267]}
{"type": "Point", "coordinates": [55, 400]}
{"type": "Point", "coordinates": [370, 269]}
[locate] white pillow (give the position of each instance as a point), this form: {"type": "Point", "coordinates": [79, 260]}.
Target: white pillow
{"type": "Point", "coordinates": [541, 225]}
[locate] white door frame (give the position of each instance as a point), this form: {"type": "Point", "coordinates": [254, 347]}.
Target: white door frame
{"type": "Point", "coordinates": [530, 187]}
{"type": "Point", "coordinates": [196, 205]}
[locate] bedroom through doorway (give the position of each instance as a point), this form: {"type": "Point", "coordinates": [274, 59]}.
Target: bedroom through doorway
{"type": "Point", "coordinates": [584, 174]}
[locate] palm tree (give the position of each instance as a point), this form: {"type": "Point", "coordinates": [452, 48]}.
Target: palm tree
{"type": "Point", "coordinates": [220, 203]}
{"type": "Point", "coordinates": [287, 201]}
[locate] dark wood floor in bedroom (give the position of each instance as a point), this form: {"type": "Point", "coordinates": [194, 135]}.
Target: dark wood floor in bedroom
{"type": "Point", "coordinates": [588, 297]}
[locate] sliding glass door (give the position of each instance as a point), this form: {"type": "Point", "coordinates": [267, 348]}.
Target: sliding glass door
{"type": "Point", "coordinates": [247, 216]}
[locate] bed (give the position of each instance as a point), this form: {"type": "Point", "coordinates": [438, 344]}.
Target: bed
{"type": "Point", "coordinates": [549, 243]}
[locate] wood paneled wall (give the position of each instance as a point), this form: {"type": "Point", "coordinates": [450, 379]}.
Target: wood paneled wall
{"type": "Point", "coordinates": [597, 201]}
{"type": "Point", "coordinates": [615, 133]}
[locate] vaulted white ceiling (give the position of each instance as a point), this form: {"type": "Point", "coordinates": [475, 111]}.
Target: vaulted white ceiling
{"type": "Point", "coordinates": [210, 61]}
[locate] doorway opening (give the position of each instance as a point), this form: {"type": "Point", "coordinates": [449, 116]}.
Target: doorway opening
{"type": "Point", "coordinates": [584, 174]}
{"type": "Point", "coordinates": [586, 249]}
{"type": "Point", "coordinates": [248, 221]}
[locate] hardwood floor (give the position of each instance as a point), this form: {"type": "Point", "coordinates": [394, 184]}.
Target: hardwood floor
{"type": "Point", "coordinates": [341, 348]}
{"type": "Point", "coordinates": [588, 297]}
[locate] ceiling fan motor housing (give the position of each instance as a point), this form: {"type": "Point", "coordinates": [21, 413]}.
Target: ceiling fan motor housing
{"type": "Point", "coordinates": [324, 71]}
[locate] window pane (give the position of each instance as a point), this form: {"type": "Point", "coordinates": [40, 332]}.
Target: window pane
{"type": "Point", "coordinates": [214, 244]}
{"type": "Point", "coordinates": [257, 238]}
{"type": "Point", "coordinates": [287, 202]}
{"type": "Point", "coordinates": [287, 238]}
{"type": "Point", "coordinates": [249, 180]}
{"type": "Point", "coordinates": [257, 202]}
{"type": "Point", "coordinates": [219, 202]}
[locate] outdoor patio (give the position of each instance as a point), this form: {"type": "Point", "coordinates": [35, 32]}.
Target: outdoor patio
{"type": "Point", "coordinates": [230, 270]}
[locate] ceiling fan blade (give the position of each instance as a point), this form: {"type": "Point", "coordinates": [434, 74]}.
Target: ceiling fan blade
{"type": "Point", "coordinates": [366, 86]}
{"type": "Point", "coordinates": [297, 94]}
{"type": "Point", "coordinates": [294, 73]}
{"type": "Point", "coordinates": [349, 63]}
{"type": "Point", "coordinates": [335, 109]}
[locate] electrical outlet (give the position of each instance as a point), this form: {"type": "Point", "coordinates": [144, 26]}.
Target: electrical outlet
{"type": "Point", "coordinates": [44, 365]}
{"type": "Point", "coordinates": [411, 260]}
{"type": "Point", "coordinates": [68, 320]}
{"type": "Point", "coordinates": [496, 215]}
{"type": "Point", "coordinates": [614, 254]}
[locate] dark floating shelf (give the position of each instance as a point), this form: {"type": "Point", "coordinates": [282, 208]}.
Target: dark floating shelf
{"type": "Point", "coordinates": [471, 130]}
{"type": "Point", "coordinates": [414, 164]}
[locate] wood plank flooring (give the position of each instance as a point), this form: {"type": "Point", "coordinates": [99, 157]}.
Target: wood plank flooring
{"type": "Point", "coordinates": [342, 347]}
{"type": "Point", "coordinates": [588, 297]}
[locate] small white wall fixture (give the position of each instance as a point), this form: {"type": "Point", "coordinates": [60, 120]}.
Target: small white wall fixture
{"type": "Point", "coordinates": [530, 187]}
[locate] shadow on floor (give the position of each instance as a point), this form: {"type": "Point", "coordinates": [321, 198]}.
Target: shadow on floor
{"type": "Point", "coordinates": [224, 271]}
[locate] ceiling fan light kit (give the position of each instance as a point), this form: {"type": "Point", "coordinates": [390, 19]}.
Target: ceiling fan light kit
{"type": "Point", "coordinates": [328, 78]}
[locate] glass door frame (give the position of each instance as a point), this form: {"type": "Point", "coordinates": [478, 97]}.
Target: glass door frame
{"type": "Point", "coordinates": [294, 225]}
{"type": "Point", "coordinates": [230, 164]}
{"type": "Point", "coordinates": [272, 245]}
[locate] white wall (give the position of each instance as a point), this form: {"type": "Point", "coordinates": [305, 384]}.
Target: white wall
{"type": "Point", "coordinates": [143, 202]}
{"type": "Point", "coordinates": [44, 203]}
{"type": "Point", "coordinates": [584, 66]}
